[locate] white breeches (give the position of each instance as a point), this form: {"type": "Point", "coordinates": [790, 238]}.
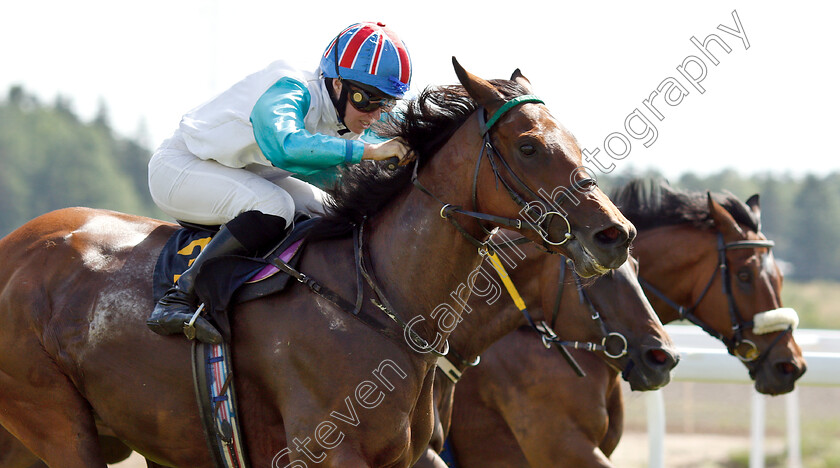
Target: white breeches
{"type": "Point", "coordinates": [205, 192]}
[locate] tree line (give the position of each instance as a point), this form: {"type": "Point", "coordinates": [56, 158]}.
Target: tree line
{"type": "Point", "coordinates": [50, 159]}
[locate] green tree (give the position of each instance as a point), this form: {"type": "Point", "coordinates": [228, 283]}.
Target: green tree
{"type": "Point", "coordinates": [50, 159]}
{"type": "Point", "coordinates": [815, 236]}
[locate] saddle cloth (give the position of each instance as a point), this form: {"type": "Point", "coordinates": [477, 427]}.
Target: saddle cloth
{"type": "Point", "coordinates": [227, 280]}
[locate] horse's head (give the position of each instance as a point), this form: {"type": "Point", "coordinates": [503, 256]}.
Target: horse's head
{"type": "Point", "coordinates": [612, 310]}
{"type": "Point", "coordinates": [704, 259]}
{"type": "Point", "coordinates": [757, 327]}
{"type": "Point", "coordinates": [533, 172]}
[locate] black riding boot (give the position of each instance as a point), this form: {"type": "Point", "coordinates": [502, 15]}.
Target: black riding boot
{"type": "Point", "coordinates": [176, 308]}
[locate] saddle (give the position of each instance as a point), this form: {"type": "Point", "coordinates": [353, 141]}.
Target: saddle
{"type": "Point", "coordinates": [225, 281]}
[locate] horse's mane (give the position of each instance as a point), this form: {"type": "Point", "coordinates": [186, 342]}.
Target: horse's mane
{"type": "Point", "coordinates": [650, 203]}
{"type": "Point", "coordinates": [426, 124]}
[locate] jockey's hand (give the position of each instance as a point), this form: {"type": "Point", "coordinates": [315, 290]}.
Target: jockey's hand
{"type": "Point", "coordinates": [388, 149]}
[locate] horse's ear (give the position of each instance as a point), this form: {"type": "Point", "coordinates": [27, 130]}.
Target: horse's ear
{"type": "Point", "coordinates": [479, 89]}
{"type": "Point", "coordinates": [518, 77]}
{"type": "Point", "coordinates": [752, 202]}
{"type": "Point", "coordinates": [724, 222]}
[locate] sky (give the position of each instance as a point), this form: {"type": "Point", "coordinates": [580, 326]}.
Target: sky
{"type": "Point", "coordinates": [769, 107]}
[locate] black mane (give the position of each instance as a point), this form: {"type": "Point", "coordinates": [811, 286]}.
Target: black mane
{"type": "Point", "coordinates": [651, 203]}
{"type": "Point", "coordinates": [425, 124]}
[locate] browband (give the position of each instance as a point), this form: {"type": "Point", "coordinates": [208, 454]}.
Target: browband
{"type": "Point", "coordinates": [506, 106]}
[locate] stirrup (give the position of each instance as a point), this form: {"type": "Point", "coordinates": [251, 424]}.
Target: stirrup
{"type": "Point", "coordinates": [189, 327]}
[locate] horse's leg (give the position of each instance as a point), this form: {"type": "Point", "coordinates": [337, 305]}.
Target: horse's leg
{"type": "Point", "coordinates": [113, 449]}
{"type": "Point", "coordinates": [43, 409]}
{"type": "Point", "coordinates": [479, 435]}
{"type": "Point", "coordinates": [430, 459]}
{"type": "Point", "coordinates": [579, 451]}
{"type": "Point", "coordinates": [13, 454]}
{"type": "Point", "coordinates": [615, 426]}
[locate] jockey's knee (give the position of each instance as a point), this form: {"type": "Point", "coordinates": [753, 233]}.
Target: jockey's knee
{"type": "Point", "coordinates": [257, 231]}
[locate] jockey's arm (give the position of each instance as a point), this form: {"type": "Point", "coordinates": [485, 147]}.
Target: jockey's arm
{"type": "Point", "coordinates": [278, 120]}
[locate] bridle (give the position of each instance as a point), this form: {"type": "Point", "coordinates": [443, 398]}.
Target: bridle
{"type": "Point", "coordinates": [549, 336]}
{"type": "Point", "coordinates": [363, 272]}
{"type": "Point", "coordinates": [544, 330]}
{"type": "Point", "coordinates": [541, 225]}
{"type": "Point", "coordinates": [499, 164]}
{"type": "Point", "coordinates": [751, 356]}
{"type": "Point", "coordinates": [594, 314]}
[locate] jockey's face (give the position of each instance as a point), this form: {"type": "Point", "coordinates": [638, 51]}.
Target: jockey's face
{"type": "Point", "coordinates": [355, 120]}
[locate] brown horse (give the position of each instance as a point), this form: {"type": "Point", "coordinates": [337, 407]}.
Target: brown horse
{"type": "Point", "coordinates": [315, 383]}
{"type": "Point", "coordinates": [612, 313]}
{"type": "Point", "coordinates": [562, 420]}
{"type": "Point", "coordinates": [625, 323]}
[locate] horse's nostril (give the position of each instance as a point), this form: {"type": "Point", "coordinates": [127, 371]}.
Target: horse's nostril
{"type": "Point", "coordinates": [786, 368]}
{"type": "Point", "coordinates": [657, 356]}
{"type": "Point", "coordinates": [611, 235]}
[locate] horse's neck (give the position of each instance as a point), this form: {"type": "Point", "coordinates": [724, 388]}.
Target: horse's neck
{"type": "Point", "coordinates": [492, 316]}
{"type": "Point", "coordinates": [419, 257]}
{"type": "Point", "coordinates": [673, 260]}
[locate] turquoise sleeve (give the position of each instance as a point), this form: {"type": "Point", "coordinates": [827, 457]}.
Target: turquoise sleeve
{"type": "Point", "coordinates": [325, 180]}
{"type": "Point", "coordinates": [279, 130]}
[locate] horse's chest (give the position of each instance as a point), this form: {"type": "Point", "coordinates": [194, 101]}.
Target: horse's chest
{"type": "Point", "coordinates": [401, 428]}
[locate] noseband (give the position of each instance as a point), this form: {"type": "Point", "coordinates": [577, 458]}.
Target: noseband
{"type": "Point", "coordinates": [751, 357]}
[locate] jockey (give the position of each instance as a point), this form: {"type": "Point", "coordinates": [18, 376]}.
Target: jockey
{"type": "Point", "coordinates": [257, 153]}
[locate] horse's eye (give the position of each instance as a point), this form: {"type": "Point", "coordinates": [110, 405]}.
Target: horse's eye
{"type": "Point", "coordinates": [744, 276]}
{"type": "Point", "coordinates": [527, 150]}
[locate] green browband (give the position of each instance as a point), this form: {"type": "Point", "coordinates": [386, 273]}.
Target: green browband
{"type": "Point", "coordinates": [506, 107]}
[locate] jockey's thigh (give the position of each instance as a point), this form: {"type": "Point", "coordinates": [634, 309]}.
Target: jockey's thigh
{"type": "Point", "coordinates": [205, 192]}
{"type": "Point", "coordinates": [308, 198]}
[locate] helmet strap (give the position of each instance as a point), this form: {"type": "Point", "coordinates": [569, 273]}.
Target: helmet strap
{"type": "Point", "coordinates": [339, 102]}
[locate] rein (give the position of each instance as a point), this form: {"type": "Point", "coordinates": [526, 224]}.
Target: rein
{"type": "Point", "coordinates": [584, 299]}
{"type": "Point", "coordinates": [447, 210]}
{"type": "Point", "coordinates": [355, 309]}
{"type": "Point", "coordinates": [546, 332]}
{"type": "Point", "coordinates": [751, 357]}
{"type": "Point", "coordinates": [381, 302]}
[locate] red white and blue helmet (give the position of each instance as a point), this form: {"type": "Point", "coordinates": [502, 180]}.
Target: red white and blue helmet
{"type": "Point", "coordinates": [370, 54]}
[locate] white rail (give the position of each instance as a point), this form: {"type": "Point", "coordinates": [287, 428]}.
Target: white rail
{"type": "Point", "coordinates": [703, 359]}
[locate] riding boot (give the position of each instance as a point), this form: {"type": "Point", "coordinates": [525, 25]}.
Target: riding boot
{"type": "Point", "coordinates": [176, 308]}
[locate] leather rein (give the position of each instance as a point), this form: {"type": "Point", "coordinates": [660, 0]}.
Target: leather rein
{"type": "Point", "coordinates": [498, 163]}
{"type": "Point", "coordinates": [356, 310]}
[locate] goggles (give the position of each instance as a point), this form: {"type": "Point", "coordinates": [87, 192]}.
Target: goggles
{"type": "Point", "coordinates": [362, 100]}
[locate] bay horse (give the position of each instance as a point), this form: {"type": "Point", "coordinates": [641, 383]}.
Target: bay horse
{"type": "Point", "coordinates": [611, 313]}
{"type": "Point", "coordinates": [76, 288]}
{"type": "Point", "coordinates": [563, 420]}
